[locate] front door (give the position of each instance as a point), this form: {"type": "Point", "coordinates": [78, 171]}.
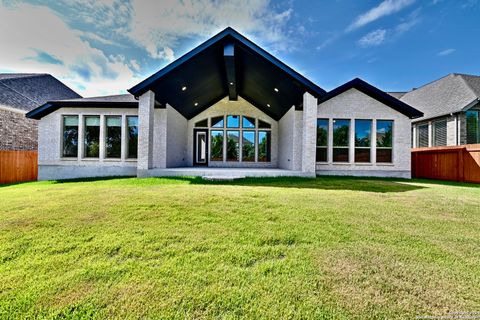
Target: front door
{"type": "Point", "coordinates": [200, 147]}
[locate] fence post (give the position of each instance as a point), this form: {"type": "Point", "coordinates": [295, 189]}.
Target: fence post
{"type": "Point", "coordinates": [460, 169]}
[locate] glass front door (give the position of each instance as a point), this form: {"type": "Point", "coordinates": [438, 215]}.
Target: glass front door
{"type": "Point", "coordinates": [200, 147]}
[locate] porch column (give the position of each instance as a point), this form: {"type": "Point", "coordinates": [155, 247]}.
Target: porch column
{"type": "Point", "coordinates": [145, 132]}
{"type": "Point", "coordinates": [309, 133]}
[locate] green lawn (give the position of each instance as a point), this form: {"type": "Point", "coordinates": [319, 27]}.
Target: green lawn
{"type": "Point", "coordinates": [337, 248]}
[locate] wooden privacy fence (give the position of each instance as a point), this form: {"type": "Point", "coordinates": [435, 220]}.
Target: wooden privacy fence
{"type": "Point", "coordinates": [17, 166]}
{"type": "Point", "coordinates": [458, 163]}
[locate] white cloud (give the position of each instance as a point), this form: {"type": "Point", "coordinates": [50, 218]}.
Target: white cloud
{"type": "Point", "coordinates": [387, 7]}
{"type": "Point", "coordinates": [158, 26]}
{"type": "Point", "coordinates": [446, 52]}
{"type": "Point", "coordinates": [373, 38]}
{"type": "Point", "coordinates": [37, 29]}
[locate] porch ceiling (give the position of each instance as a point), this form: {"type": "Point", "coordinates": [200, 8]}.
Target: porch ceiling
{"type": "Point", "coordinates": [228, 65]}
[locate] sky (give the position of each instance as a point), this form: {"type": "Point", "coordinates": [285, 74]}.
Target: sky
{"type": "Point", "coordinates": [101, 47]}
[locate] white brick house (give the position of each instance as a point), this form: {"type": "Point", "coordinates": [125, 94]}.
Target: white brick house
{"type": "Point", "coordinates": [227, 106]}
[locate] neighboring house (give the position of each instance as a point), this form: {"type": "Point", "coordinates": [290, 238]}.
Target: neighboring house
{"type": "Point", "coordinates": [451, 107]}
{"type": "Point", "coordinates": [227, 104]}
{"type": "Point", "coordinates": [20, 93]}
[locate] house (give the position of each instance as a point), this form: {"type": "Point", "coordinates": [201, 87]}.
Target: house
{"type": "Point", "coordinates": [20, 93]}
{"type": "Point", "coordinates": [227, 107]}
{"type": "Point", "coordinates": [451, 107]}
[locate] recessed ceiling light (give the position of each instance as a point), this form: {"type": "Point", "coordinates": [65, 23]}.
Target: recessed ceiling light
{"type": "Point", "coordinates": [196, 104]}
{"type": "Point", "coordinates": [268, 105]}
{"type": "Point", "coordinates": [276, 89]}
{"type": "Point", "coordinates": [184, 88]}
{"type": "Point", "coordinates": [231, 83]}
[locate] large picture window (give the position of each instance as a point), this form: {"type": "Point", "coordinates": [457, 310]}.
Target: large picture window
{"type": "Point", "coordinates": [216, 145]}
{"type": "Point", "coordinates": [132, 137]}
{"type": "Point", "coordinates": [341, 140]}
{"type": "Point", "coordinates": [92, 136]}
{"type": "Point", "coordinates": [70, 137]}
{"type": "Point", "coordinates": [322, 140]}
{"type": "Point", "coordinates": [248, 146]}
{"type": "Point", "coordinates": [113, 136]}
{"type": "Point", "coordinates": [473, 126]}
{"type": "Point", "coordinates": [363, 133]}
{"type": "Point", "coordinates": [384, 141]}
{"type": "Point", "coordinates": [233, 145]}
{"type": "Point", "coordinates": [264, 141]}
{"type": "Point", "coordinates": [240, 138]}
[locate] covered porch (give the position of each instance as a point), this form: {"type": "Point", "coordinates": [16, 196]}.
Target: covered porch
{"type": "Point", "coordinates": [227, 77]}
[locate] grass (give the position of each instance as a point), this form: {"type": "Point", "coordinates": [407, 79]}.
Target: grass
{"type": "Point", "coordinates": [333, 248]}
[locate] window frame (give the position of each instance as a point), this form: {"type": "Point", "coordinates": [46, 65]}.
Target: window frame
{"type": "Point", "coordinates": [347, 147]}
{"type": "Point", "coordinates": [317, 147]}
{"type": "Point", "coordinates": [369, 148]}
{"type": "Point", "coordinates": [105, 119]}
{"type": "Point", "coordinates": [127, 138]}
{"type": "Point", "coordinates": [385, 148]}
{"type": "Point", "coordinates": [477, 133]}
{"type": "Point", "coordinates": [418, 135]}
{"type": "Point", "coordinates": [62, 137]}
{"type": "Point", "coordinates": [84, 124]}
{"type": "Point", "coordinates": [434, 133]}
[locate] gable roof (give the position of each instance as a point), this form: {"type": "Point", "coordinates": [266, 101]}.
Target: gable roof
{"type": "Point", "coordinates": [450, 94]}
{"type": "Point", "coordinates": [26, 91]}
{"type": "Point", "coordinates": [228, 60]}
{"type": "Point", "coordinates": [116, 101]}
{"type": "Point", "coordinates": [376, 94]}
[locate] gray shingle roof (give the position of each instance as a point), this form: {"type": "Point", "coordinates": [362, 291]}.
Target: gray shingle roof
{"type": "Point", "coordinates": [446, 95]}
{"type": "Point", "coordinates": [26, 91]}
{"type": "Point", "coordinates": [397, 94]}
{"type": "Point", "coordinates": [114, 98]}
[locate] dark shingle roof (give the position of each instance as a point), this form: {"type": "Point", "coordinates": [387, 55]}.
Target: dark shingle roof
{"type": "Point", "coordinates": [446, 95]}
{"type": "Point", "coordinates": [114, 98]}
{"type": "Point", "coordinates": [26, 91]}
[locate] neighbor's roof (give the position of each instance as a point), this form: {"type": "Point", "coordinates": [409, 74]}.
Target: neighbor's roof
{"type": "Point", "coordinates": [397, 94]}
{"type": "Point", "coordinates": [450, 94]}
{"type": "Point", "coordinates": [27, 91]}
{"type": "Point", "coordinates": [228, 64]}
{"type": "Point", "coordinates": [376, 94]}
{"type": "Point", "coordinates": [117, 101]}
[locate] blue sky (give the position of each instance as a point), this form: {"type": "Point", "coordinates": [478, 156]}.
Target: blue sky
{"type": "Point", "coordinates": [105, 47]}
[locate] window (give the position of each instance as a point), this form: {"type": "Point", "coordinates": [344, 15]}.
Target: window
{"type": "Point", "coordinates": [440, 133]}
{"type": "Point", "coordinates": [322, 140]}
{"type": "Point", "coordinates": [92, 136]}
{"type": "Point", "coordinates": [341, 137]}
{"type": "Point", "coordinates": [70, 137]}
{"type": "Point", "coordinates": [216, 145]}
{"type": "Point", "coordinates": [233, 121]}
{"type": "Point", "coordinates": [363, 132]}
{"type": "Point", "coordinates": [248, 122]}
{"type": "Point", "coordinates": [263, 125]}
{"type": "Point", "coordinates": [132, 137]}
{"type": "Point", "coordinates": [422, 135]}
{"type": "Point", "coordinates": [384, 140]}
{"type": "Point", "coordinates": [113, 136]}
{"type": "Point", "coordinates": [248, 146]}
{"type": "Point", "coordinates": [217, 122]}
{"type": "Point", "coordinates": [233, 145]}
{"type": "Point", "coordinates": [264, 138]}
{"type": "Point", "coordinates": [473, 126]}
{"type": "Point", "coordinates": [202, 124]}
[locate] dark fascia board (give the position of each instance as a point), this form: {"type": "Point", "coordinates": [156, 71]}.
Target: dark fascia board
{"type": "Point", "coordinates": [376, 94]}
{"type": "Point", "coordinates": [146, 84]}
{"type": "Point", "coordinates": [52, 106]}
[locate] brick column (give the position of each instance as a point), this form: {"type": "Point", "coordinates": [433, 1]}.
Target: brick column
{"type": "Point", "coordinates": [309, 133]}
{"type": "Point", "coordinates": [145, 132]}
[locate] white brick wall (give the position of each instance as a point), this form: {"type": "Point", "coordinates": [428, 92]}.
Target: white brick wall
{"type": "Point", "coordinates": [354, 104]}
